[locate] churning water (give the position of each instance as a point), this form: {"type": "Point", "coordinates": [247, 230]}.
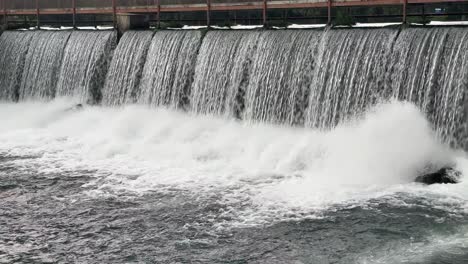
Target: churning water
{"type": "Point", "coordinates": [260, 146]}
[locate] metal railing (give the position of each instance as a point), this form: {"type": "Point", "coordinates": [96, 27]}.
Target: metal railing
{"type": "Point", "coordinates": [115, 7]}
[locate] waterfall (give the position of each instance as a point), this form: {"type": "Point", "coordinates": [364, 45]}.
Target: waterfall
{"type": "Point", "coordinates": [13, 48]}
{"type": "Point", "coordinates": [42, 64]}
{"type": "Point", "coordinates": [451, 102]}
{"type": "Point", "coordinates": [123, 77]}
{"type": "Point", "coordinates": [430, 68]}
{"type": "Point", "coordinates": [349, 74]}
{"type": "Point", "coordinates": [314, 78]}
{"type": "Point", "coordinates": [283, 67]}
{"type": "Point", "coordinates": [169, 68]}
{"type": "Point", "coordinates": [84, 65]}
{"type": "Point", "coordinates": [222, 70]}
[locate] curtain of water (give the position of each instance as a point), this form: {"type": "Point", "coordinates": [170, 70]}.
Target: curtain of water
{"type": "Point", "coordinates": [123, 77]}
{"type": "Point", "coordinates": [42, 64]}
{"type": "Point", "coordinates": [283, 67]}
{"type": "Point", "coordinates": [430, 68]}
{"type": "Point", "coordinates": [169, 68]}
{"type": "Point", "coordinates": [85, 64]}
{"type": "Point", "coordinates": [13, 48]}
{"type": "Point", "coordinates": [313, 77]}
{"type": "Point", "coordinates": [222, 72]}
{"type": "Point", "coordinates": [349, 74]}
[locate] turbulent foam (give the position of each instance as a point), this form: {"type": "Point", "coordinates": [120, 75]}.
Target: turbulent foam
{"type": "Point", "coordinates": [277, 169]}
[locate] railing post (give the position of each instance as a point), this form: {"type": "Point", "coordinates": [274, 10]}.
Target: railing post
{"type": "Point", "coordinates": [329, 13]}
{"type": "Point", "coordinates": [114, 13]}
{"type": "Point", "coordinates": [423, 14]}
{"type": "Point", "coordinates": [158, 3]}
{"type": "Point", "coordinates": [265, 10]}
{"type": "Point", "coordinates": [5, 17]}
{"type": "Point", "coordinates": [208, 13]}
{"type": "Point", "coordinates": [38, 22]}
{"type": "Point", "coordinates": [405, 10]}
{"type": "Point", "coordinates": [74, 13]}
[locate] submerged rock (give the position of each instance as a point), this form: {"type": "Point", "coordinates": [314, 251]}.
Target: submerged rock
{"type": "Point", "coordinates": [444, 175]}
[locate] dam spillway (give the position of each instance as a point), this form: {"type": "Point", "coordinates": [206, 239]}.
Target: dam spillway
{"type": "Point", "coordinates": [314, 78]}
{"type": "Point", "coordinates": [233, 146]}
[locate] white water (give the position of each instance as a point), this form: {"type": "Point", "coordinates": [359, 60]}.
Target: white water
{"type": "Point", "coordinates": [275, 170]}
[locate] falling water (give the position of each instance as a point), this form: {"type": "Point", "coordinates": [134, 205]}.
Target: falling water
{"type": "Point", "coordinates": [222, 72]}
{"type": "Point", "coordinates": [281, 75]}
{"type": "Point", "coordinates": [430, 68]}
{"type": "Point", "coordinates": [42, 64]}
{"type": "Point", "coordinates": [13, 48]}
{"type": "Point", "coordinates": [85, 64]}
{"type": "Point", "coordinates": [349, 74]}
{"type": "Point", "coordinates": [315, 78]}
{"type": "Point", "coordinates": [169, 68]}
{"type": "Point", "coordinates": [123, 77]}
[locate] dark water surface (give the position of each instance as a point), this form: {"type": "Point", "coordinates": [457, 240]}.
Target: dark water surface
{"type": "Point", "coordinates": [55, 218]}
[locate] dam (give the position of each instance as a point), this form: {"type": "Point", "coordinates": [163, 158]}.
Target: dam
{"type": "Point", "coordinates": [313, 78]}
{"type": "Point", "coordinates": [232, 144]}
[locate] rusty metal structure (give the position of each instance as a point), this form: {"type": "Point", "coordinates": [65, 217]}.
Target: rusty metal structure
{"type": "Point", "coordinates": [157, 7]}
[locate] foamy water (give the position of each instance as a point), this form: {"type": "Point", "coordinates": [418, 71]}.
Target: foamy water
{"type": "Point", "coordinates": [278, 172]}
